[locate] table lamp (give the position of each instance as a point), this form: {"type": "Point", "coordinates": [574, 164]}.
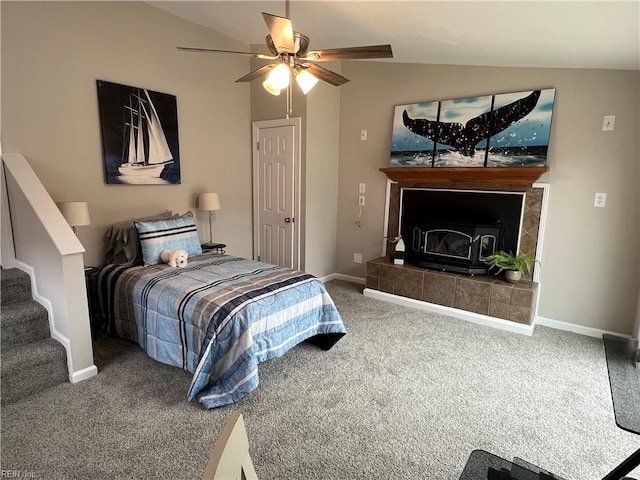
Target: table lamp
{"type": "Point", "coordinates": [209, 202]}
{"type": "Point", "coordinates": [76, 213]}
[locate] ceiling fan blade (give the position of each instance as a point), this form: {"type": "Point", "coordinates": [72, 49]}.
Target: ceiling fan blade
{"type": "Point", "coordinates": [256, 73]}
{"type": "Point", "coordinates": [281, 32]}
{"type": "Point", "coordinates": [325, 74]}
{"type": "Point", "coordinates": [211, 50]}
{"type": "Point", "coordinates": [351, 53]}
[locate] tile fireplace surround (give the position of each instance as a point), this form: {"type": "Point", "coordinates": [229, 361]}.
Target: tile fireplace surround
{"type": "Point", "coordinates": [490, 296]}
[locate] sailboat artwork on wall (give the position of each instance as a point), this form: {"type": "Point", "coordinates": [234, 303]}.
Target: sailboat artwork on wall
{"type": "Point", "coordinates": [502, 130]}
{"type": "Point", "coordinates": [139, 148]}
{"type": "Point", "coordinates": [143, 118]}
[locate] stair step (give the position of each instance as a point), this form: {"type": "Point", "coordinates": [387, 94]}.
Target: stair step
{"type": "Point", "coordinates": [31, 368]}
{"type": "Point", "coordinates": [23, 322]}
{"type": "Point", "coordinates": [15, 286]}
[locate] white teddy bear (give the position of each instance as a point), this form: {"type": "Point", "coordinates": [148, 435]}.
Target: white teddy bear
{"type": "Point", "coordinates": [175, 258]}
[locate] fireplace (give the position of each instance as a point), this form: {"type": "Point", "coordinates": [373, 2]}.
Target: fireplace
{"type": "Point", "coordinates": [520, 235]}
{"type": "Point", "coordinates": [517, 229]}
{"type": "Point", "coordinates": [456, 230]}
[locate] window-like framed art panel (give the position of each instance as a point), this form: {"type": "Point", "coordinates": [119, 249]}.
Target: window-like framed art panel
{"type": "Point", "coordinates": [500, 130]}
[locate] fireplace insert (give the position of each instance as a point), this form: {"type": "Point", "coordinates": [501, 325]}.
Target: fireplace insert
{"type": "Point", "coordinates": [455, 230]}
{"type": "Point", "coordinates": [453, 247]}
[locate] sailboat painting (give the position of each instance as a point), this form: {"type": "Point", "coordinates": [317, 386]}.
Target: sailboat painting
{"type": "Point", "coordinates": [139, 135]}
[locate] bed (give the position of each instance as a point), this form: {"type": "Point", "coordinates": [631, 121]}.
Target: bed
{"type": "Point", "coordinates": [218, 317]}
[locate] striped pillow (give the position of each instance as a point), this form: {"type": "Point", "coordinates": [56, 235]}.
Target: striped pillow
{"type": "Point", "coordinates": [170, 234]}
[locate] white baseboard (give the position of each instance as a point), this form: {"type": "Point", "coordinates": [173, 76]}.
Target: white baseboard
{"type": "Point", "coordinates": [574, 327]}
{"type": "Point", "coordinates": [340, 276]}
{"type": "Point", "coordinates": [80, 375]}
{"type": "Point", "coordinates": [452, 312]}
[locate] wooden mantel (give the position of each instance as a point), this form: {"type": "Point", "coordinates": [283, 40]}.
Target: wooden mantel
{"type": "Point", "coordinates": [516, 176]}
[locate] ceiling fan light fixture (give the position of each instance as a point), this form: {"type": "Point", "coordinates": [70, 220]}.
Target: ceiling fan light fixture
{"type": "Point", "coordinates": [278, 77]}
{"type": "Point", "coordinates": [306, 81]}
{"type": "Point", "coordinates": [290, 55]}
{"type": "Point", "coordinates": [269, 88]}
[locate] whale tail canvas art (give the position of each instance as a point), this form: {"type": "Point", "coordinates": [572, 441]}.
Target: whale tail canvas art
{"type": "Point", "coordinates": [489, 131]}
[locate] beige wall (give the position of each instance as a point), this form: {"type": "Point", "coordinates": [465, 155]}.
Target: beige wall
{"type": "Point", "coordinates": [52, 55]}
{"type": "Point", "coordinates": [323, 132]}
{"type": "Point", "coordinates": [590, 263]}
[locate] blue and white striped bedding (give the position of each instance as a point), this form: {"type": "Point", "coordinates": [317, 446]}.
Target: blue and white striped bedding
{"type": "Point", "coordinates": [218, 318]}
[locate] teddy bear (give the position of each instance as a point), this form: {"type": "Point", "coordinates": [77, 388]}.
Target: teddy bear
{"type": "Point", "coordinates": [175, 258]}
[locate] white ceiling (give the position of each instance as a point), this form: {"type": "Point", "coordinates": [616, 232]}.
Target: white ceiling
{"type": "Point", "coordinates": [574, 34]}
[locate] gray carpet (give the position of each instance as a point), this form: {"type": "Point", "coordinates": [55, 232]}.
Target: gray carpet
{"type": "Point", "coordinates": [405, 394]}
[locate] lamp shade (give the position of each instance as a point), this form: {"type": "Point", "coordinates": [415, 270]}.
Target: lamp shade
{"type": "Point", "coordinates": [305, 80]}
{"type": "Point", "coordinates": [278, 77]}
{"type": "Point", "coordinates": [269, 88]}
{"type": "Point", "coordinates": [209, 201]}
{"type": "Point", "coordinates": [76, 213]}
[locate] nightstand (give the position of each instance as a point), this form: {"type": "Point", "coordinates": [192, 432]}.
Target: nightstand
{"type": "Point", "coordinates": [213, 247]}
{"type": "Point", "coordinates": [91, 280]}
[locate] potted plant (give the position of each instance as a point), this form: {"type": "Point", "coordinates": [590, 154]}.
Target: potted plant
{"type": "Point", "coordinates": [512, 265]}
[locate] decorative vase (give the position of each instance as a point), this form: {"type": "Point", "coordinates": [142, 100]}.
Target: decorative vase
{"type": "Point", "coordinates": [512, 276]}
{"type": "Point", "coordinates": [398, 256]}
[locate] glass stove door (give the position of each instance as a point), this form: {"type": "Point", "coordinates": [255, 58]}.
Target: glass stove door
{"type": "Point", "coordinates": [448, 243]}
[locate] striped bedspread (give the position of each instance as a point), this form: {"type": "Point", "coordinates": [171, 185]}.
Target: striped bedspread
{"type": "Point", "coordinates": [217, 318]}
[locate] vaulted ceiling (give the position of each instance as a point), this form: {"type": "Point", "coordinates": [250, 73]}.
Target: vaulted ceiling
{"type": "Point", "coordinates": [573, 34]}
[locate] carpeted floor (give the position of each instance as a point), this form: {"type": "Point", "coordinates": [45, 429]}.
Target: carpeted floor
{"type": "Point", "coordinates": [405, 394]}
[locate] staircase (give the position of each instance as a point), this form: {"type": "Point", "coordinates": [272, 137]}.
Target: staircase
{"type": "Point", "coordinates": [31, 359]}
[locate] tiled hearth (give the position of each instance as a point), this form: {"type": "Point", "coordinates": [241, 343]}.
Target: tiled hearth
{"type": "Point", "coordinates": [486, 295]}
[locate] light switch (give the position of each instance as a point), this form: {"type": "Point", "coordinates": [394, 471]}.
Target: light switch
{"type": "Point", "coordinates": [609, 122]}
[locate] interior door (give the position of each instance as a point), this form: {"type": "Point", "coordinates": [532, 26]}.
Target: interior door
{"type": "Point", "coordinates": [276, 177]}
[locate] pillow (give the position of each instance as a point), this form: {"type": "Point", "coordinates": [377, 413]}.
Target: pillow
{"type": "Point", "coordinates": [169, 234]}
{"type": "Point", "coordinates": [123, 245]}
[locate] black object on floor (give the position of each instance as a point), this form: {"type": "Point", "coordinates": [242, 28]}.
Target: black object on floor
{"type": "Point", "coordinates": [624, 379]}
{"type": "Point", "coordinates": [483, 465]}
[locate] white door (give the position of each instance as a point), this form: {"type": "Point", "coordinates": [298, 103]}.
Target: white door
{"type": "Point", "coordinates": [276, 190]}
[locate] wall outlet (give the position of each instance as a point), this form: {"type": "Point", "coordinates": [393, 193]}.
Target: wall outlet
{"type": "Point", "coordinates": [600, 200]}
{"type": "Point", "coordinates": [357, 258]}
{"type": "Point", "coordinates": [361, 200]}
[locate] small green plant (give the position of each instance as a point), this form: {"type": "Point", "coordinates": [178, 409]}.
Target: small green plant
{"type": "Point", "coordinates": [508, 261]}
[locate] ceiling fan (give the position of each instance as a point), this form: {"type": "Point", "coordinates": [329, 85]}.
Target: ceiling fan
{"type": "Point", "coordinates": [290, 55]}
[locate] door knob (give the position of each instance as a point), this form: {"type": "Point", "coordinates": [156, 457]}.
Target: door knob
{"type": "Point", "coordinates": [287, 220]}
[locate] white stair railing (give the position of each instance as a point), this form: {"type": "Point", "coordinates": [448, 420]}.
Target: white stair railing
{"type": "Point", "coordinates": [38, 240]}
